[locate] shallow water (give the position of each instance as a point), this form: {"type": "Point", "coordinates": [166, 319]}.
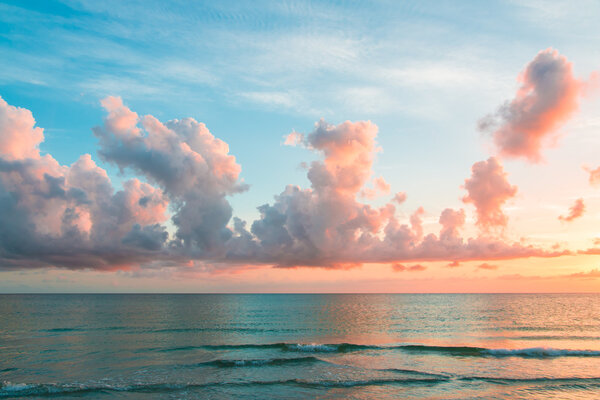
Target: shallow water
{"type": "Point", "coordinates": [300, 346]}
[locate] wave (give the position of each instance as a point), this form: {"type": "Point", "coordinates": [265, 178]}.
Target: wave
{"type": "Point", "coordinates": [228, 363]}
{"type": "Point", "coordinates": [414, 372]}
{"type": "Point", "coordinates": [259, 362]}
{"type": "Point", "coordinates": [588, 381]}
{"type": "Point", "coordinates": [232, 363]}
{"type": "Point", "coordinates": [138, 330]}
{"type": "Point", "coordinates": [8, 369]}
{"type": "Point", "coordinates": [223, 329]}
{"type": "Point", "coordinates": [464, 351]}
{"type": "Point", "coordinates": [14, 390]}
{"type": "Point", "coordinates": [542, 352]}
{"type": "Point", "coordinates": [456, 351]}
{"type": "Point", "coordinates": [328, 348]}
{"type": "Point", "coordinates": [313, 348]}
{"type": "Point", "coordinates": [532, 352]}
{"type": "Point", "coordinates": [293, 347]}
{"type": "Point", "coordinates": [11, 390]}
{"type": "Point", "coordinates": [60, 330]}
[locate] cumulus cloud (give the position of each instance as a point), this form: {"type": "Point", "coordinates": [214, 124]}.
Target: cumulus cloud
{"type": "Point", "coordinates": [546, 99]}
{"type": "Point", "coordinates": [488, 189]}
{"type": "Point", "coordinates": [325, 225]}
{"type": "Point", "coordinates": [20, 137]}
{"type": "Point", "coordinates": [575, 211]}
{"type": "Point", "coordinates": [67, 216]}
{"type": "Point", "coordinates": [451, 222]}
{"type": "Point", "coordinates": [316, 225]}
{"type": "Point", "coordinates": [191, 166]}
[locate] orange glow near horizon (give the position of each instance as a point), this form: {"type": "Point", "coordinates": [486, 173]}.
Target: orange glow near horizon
{"type": "Point", "coordinates": [557, 275]}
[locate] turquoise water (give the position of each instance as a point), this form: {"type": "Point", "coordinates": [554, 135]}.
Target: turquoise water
{"type": "Point", "coordinates": [300, 346]}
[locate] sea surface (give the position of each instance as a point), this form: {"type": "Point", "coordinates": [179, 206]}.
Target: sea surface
{"type": "Point", "coordinates": [338, 346]}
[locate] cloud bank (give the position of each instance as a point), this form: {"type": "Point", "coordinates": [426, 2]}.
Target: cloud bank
{"type": "Point", "coordinates": [176, 211]}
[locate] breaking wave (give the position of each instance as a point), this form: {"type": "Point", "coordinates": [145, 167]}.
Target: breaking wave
{"type": "Point", "coordinates": [458, 351]}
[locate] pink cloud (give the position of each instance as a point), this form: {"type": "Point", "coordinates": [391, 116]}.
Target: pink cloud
{"type": "Point", "coordinates": [327, 226]}
{"type": "Point", "coordinates": [381, 185]}
{"type": "Point", "coordinates": [486, 266]}
{"type": "Point", "coordinates": [121, 120]}
{"type": "Point", "coordinates": [416, 222]}
{"type": "Point", "coordinates": [349, 149]}
{"type": "Point", "coordinates": [294, 139]}
{"type": "Point", "coordinates": [451, 222]}
{"type": "Point", "coordinates": [591, 274]}
{"type": "Point", "coordinates": [546, 100]}
{"type": "Point", "coordinates": [148, 205]}
{"type": "Point", "coordinates": [20, 137]}
{"type": "Point", "coordinates": [412, 268]}
{"type": "Point", "coordinates": [488, 189]}
{"type": "Point", "coordinates": [316, 225]}
{"type": "Point", "coordinates": [575, 211]}
{"type": "Point", "coordinates": [380, 188]}
{"type": "Point", "coordinates": [594, 178]}
{"type": "Point", "coordinates": [399, 197]}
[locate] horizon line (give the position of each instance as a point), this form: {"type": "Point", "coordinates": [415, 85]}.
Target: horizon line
{"type": "Point", "coordinates": [282, 293]}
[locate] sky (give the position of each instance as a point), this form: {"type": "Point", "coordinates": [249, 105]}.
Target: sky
{"type": "Point", "coordinates": [299, 146]}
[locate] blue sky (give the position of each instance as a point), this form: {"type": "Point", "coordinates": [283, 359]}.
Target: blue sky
{"type": "Point", "coordinates": [424, 72]}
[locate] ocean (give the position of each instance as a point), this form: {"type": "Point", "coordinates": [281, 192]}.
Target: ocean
{"type": "Point", "coordinates": [300, 346]}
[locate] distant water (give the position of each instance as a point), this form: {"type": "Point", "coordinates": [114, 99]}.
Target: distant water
{"type": "Point", "coordinates": [300, 346]}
